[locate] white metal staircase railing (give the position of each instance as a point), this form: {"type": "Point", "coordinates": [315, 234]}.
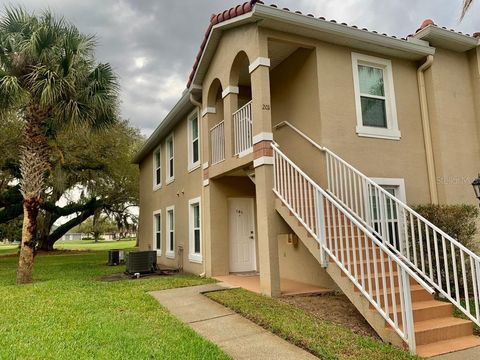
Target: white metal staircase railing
{"type": "Point", "coordinates": [443, 262]}
{"type": "Point", "coordinates": [242, 129]}
{"type": "Point", "coordinates": [217, 141]}
{"type": "Point", "coordinates": [371, 266]}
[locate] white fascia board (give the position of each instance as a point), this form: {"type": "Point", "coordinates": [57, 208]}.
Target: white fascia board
{"type": "Point", "coordinates": [451, 39]}
{"type": "Point", "coordinates": [301, 21]}
{"type": "Point", "coordinates": [212, 43]}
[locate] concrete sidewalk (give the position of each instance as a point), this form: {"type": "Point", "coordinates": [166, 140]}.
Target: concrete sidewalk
{"type": "Point", "coordinates": [238, 337]}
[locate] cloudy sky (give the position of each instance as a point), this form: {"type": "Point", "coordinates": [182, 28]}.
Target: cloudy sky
{"type": "Point", "coordinates": [152, 43]}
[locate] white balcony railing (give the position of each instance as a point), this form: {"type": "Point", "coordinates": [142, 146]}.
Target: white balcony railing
{"type": "Point", "coordinates": [217, 143]}
{"type": "Point", "coordinates": [242, 129]}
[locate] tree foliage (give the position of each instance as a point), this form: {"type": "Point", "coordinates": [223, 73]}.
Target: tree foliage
{"type": "Point", "coordinates": [49, 77]}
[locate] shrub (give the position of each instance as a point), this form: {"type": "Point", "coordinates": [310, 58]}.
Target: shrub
{"type": "Point", "coordinates": [458, 221]}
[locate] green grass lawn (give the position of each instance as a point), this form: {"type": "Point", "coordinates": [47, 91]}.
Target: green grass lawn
{"type": "Point", "coordinates": [68, 314]}
{"type": "Point", "coordinates": [90, 245]}
{"type": "Point", "coordinates": [322, 338]}
{"type": "Point", "coordinates": [8, 249]}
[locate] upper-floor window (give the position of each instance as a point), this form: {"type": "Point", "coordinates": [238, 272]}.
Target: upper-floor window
{"type": "Point", "coordinates": [157, 169]}
{"type": "Point", "coordinates": [193, 142]}
{"type": "Point", "coordinates": [157, 231]}
{"type": "Point", "coordinates": [374, 97]}
{"type": "Point", "coordinates": [170, 159]}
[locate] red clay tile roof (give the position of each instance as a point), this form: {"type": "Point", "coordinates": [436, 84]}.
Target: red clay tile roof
{"type": "Point", "coordinates": [430, 22]}
{"type": "Point", "coordinates": [248, 6]}
{"type": "Point", "coordinates": [216, 19]}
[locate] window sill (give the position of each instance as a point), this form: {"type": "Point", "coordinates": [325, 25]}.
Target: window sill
{"type": "Point", "coordinates": [378, 133]}
{"type": "Point", "coordinates": [169, 181]}
{"type": "Point", "coordinates": [170, 255]}
{"type": "Point", "coordinates": [195, 258]}
{"type": "Point", "coordinates": [157, 187]}
{"type": "Point", "coordinates": [159, 253]}
{"type": "Point", "coordinates": [193, 167]}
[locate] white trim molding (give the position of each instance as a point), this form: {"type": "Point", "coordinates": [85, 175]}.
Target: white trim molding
{"type": "Point", "coordinates": [268, 136]}
{"type": "Point", "coordinates": [157, 167]}
{"type": "Point", "coordinates": [209, 110]}
{"type": "Point", "coordinates": [155, 231]}
{"type": "Point", "coordinates": [206, 182]}
{"type": "Point", "coordinates": [205, 165]}
{"type": "Point", "coordinates": [393, 182]}
{"type": "Point", "coordinates": [169, 253]}
{"type": "Point", "coordinates": [391, 130]}
{"type": "Point", "coordinates": [193, 165]}
{"type": "Point", "coordinates": [192, 256]}
{"type": "Point", "coordinates": [260, 61]}
{"type": "Point", "coordinates": [170, 155]}
{"type": "Point", "coordinates": [230, 90]}
{"type": "Point", "coordinates": [264, 160]}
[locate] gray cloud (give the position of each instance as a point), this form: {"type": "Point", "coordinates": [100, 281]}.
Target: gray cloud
{"type": "Point", "coordinates": [152, 43]}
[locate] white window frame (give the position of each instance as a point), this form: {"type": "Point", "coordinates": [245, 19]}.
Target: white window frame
{"type": "Point", "coordinates": [192, 255]}
{"type": "Point", "coordinates": [398, 183]}
{"type": "Point", "coordinates": [168, 157]}
{"type": "Point", "coordinates": [155, 231]}
{"type": "Point", "coordinates": [155, 167]}
{"type": "Point", "coordinates": [193, 165]}
{"type": "Point", "coordinates": [391, 131]}
{"type": "Point", "coordinates": [394, 182]}
{"type": "Point", "coordinates": [170, 253]}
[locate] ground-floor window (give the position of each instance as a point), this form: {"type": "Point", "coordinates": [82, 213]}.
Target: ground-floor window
{"type": "Point", "coordinates": [195, 236]}
{"type": "Point", "coordinates": [170, 251]}
{"type": "Point", "coordinates": [384, 212]}
{"type": "Point", "coordinates": [157, 232]}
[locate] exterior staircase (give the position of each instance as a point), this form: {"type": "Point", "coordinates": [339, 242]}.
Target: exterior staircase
{"type": "Point", "coordinates": [382, 275]}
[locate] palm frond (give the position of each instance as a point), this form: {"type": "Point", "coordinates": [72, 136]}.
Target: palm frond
{"type": "Point", "coordinates": [11, 92]}
{"type": "Point", "coordinates": [14, 20]}
{"type": "Point", "coordinates": [465, 7]}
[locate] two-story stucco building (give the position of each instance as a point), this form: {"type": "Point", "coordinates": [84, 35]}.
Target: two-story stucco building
{"type": "Point", "coordinates": [259, 166]}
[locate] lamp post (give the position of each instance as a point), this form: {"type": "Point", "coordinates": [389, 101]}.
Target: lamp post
{"type": "Point", "coordinates": [476, 187]}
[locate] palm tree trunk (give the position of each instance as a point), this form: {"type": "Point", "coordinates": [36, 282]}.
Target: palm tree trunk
{"type": "Point", "coordinates": [34, 163]}
{"type": "Point", "coordinates": [27, 248]}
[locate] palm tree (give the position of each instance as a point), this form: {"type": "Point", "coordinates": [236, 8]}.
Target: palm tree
{"type": "Point", "coordinates": [49, 77]}
{"type": "Point", "coordinates": [465, 7]}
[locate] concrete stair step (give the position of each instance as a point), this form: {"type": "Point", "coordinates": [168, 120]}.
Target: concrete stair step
{"type": "Point", "coordinates": [440, 329]}
{"type": "Point", "coordinates": [427, 310]}
{"type": "Point", "coordinates": [417, 292]}
{"type": "Point", "coordinates": [448, 346]}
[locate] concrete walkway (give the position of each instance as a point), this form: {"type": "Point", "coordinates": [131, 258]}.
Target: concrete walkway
{"type": "Point", "coordinates": [237, 336]}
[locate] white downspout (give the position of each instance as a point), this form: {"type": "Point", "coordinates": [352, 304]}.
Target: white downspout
{"type": "Point", "coordinates": [427, 136]}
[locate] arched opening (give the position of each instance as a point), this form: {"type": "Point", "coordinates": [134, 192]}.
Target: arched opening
{"type": "Point", "coordinates": [215, 122]}
{"type": "Point", "coordinates": [242, 116]}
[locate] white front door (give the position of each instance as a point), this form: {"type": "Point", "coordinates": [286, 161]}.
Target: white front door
{"type": "Point", "coordinates": [242, 234]}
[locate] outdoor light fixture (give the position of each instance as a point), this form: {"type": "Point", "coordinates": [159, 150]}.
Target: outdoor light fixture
{"type": "Point", "coordinates": [476, 187]}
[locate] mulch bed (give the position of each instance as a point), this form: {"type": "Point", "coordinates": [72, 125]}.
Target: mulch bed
{"type": "Point", "coordinates": [335, 308]}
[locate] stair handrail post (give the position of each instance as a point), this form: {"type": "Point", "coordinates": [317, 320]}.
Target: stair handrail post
{"type": "Point", "coordinates": [406, 298]}
{"type": "Point", "coordinates": [320, 225]}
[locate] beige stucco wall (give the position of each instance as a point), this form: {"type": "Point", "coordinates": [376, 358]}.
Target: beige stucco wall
{"type": "Point", "coordinates": [187, 185]}
{"type": "Point", "coordinates": [297, 263]}
{"type": "Point", "coordinates": [451, 84]}
{"type": "Point", "coordinates": [220, 191]}
{"type": "Point", "coordinates": [313, 89]}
